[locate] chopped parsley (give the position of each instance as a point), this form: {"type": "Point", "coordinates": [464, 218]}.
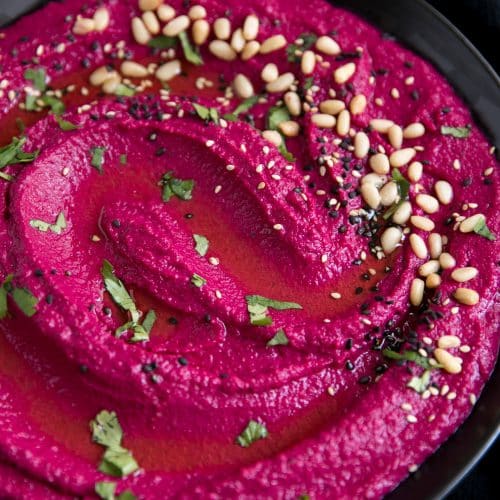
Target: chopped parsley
{"type": "Point", "coordinates": [107, 432]}
{"type": "Point", "coordinates": [106, 491]}
{"type": "Point", "coordinates": [201, 244]}
{"type": "Point", "coordinates": [275, 116]}
{"type": "Point", "coordinates": [123, 159]}
{"type": "Point", "coordinates": [37, 77]}
{"type": "Point", "coordinates": [482, 229]}
{"type": "Point", "coordinates": [192, 54]}
{"type": "Point", "coordinates": [413, 356]}
{"type": "Point", "coordinates": [125, 90]}
{"type": "Point", "coordinates": [43, 226]}
{"type": "Point", "coordinates": [279, 338]}
{"type": "Point", "coordinates": [13, 153]}
{"type": "Point", "coordinates": [97, 158]}
{"type": "Point", "coordinates": [181, 188]}
{"type": "Point", "coordinates": [257, 307]}
{"type": "Point", "coordinates": [457, 132]}
{"type": "Point", "coordinates": [207, 114]}
{"type": "Point", "coordinates": [308, 40]}
{"type": "Point", "coordinates": [253, 432]}
{"type": "Point", "coordinates": [22, 297]}
{"type": "Point", "coordinates": [242, 108]}
{"type": "Point", "coordinates": [403, 189]}
{"type": "Point", "coordinates": [56, 105]}
{"type": "Point", "coordinates": [198, 281]}
{"type": "Point", "coordinates": [65, 125]}
{"type": "Point", "coordinates": [308, 83]}
{"type": "Point", "coordinates": [421, 383]}
{"type": "Point", "coordinates": [163, 42]}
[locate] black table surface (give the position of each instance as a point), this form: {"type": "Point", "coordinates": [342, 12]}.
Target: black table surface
{"type": "Point", "coordinates": [479, 20]}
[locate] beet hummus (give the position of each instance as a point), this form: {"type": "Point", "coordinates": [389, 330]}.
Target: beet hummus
{"type": "Point", "coordinates": [247, 251]}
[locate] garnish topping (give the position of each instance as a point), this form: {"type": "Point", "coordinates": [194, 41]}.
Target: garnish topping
{"type": "Point", "coordinates": [207, 114]}
{"type": "Point", "coordinates": [198, 281]}
{"type": "Point", "coordinates": [279, 338]}
{"type": "Point", "coordinates": [163, 42]}
{"type": "Point", "coordinates": [253, 432]}
{"type": "Point", "coordinates": [13, 153]}
{"type": "Point", "coordinates": [421, 383]}
{"type": "Point", "coordinates": [22, 297]}
{"type": "Point", "coordinates": [106, 490]}
{"type": "Point", "coordinates": [482, 229]}
{"type": "Point", "coordinates": [457, 132]}
{"type": "Point", "coordinates": [403, 190]}
{"type": "Point", "coordinates": [293, 49]}
{"type": "Point", "coordinates": [201, 244]}
{"type": "Point", "coordinates": [65, 125]}
{"type": "Point", "coordinates": [257, 307]}
{"type": "Point", "coordinates": [275, 116]}
{"type": "Point", "coordinates": [413, 356]}
{"type": "Point", "coordinates": [241, 108]}
{"type": "Point", "coordinates": [172, 186]}
{"type": "Point", "coordinates": [191, 53]}
{"type": "Point", "coordinates": [43, 226]}
{"type": "Point", "coordinates": [97, 158]}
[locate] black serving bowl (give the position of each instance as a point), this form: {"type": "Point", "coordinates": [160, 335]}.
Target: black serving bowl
{"type": "Point", "coordinates": [424, 30]}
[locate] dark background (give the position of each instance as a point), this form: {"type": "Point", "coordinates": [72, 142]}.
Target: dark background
{"type": "Point", "coordinates": [479, 20]}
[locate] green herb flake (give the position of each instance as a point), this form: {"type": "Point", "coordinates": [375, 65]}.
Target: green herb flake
{"type": "Point", "coordinates": [43, 226]}
{"type": "Point", "coordinates": [162, 42]}
{"type": "Point", "coordinates": [118, 462]}
{"type": "Point", "coordinates": [65, 125]}
{"type": "Point", "coordinates": [5, 288]}
{"type": "Point", "coordinates": [284, 151]}
{"type": "Point", "coordinates": [191, 53]}
{"type": "Point", "coordinates": [421, 383]}
{"type": "Point", "coordinates": [279, 338]}
{"type": "Point", "coordinates": [257, 307]}
{"type": "Point", "coordinates": [275, 116]}
{"type": "Point", "coordinates": [97, 158]}
{"type": "Point", "coordinates": [207, 114]}
{"type": "Point", "coordinates": [403, 189]}
{"type": "Point", "coordinates": [482, 229]}
{"type": "Point", "coordinates": [457, 132]}
{"type": "Point", "coordinates": [117, 289]}
{"type": "Point", "coordinates": [198, 281]}
{"type": "Point", "coordinates": [308, 83]}
{"type": "Point", "coordinates": [22, 297]}
{"type": "Point", "coordinates": [38, 77]}
{"type": "Point", "coordinates": [182, 189]}
{"type": "Point", "coordinates": [123, 159]}
{"type": "Point", "coordinates": [413, 356]}
{"type": "Point", "coordinates": [253, 432]}
{"type": "Point", "coordinates": [56, 105]}
{"type": "Point", "coordinates": [125, 90]}
{"type": "Point", "coordinates": [242, 108]}
{"type": "Point", "coordinates": [105, 490]}
{"type": "Point", "coordinates": [201, 244]}
{"type": "Point", "coordinates": [308, 40]}
{"type": "Point", "coordinates": [13, 153]}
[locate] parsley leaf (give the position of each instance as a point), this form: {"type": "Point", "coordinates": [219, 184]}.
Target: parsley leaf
{"type": "Point", "coordinates": [253, 432]}
{"type": "Point", "coordinates": [421, 383]}
{"type": "Point", "coordinates": [201, 244]}
{"type": "Point", "coordinates": [4, 290]}
{"type": "Point", "coordinates": [117, 289]}
{"type": "Point", "coordinates": [56, 105]}
{"type": "Point", "coordinates": [162, 42]}
{"type": "Point", "coordinates": [97, 157]}
{"type": "Point", "coordinates": [13, 153]}
{"type": "Point", "coordinates": [65, 125]}
{"type": "Point", "coordinates": [457, 132]}
{"type": "Point", "coordinates": [482, 229]}
{"type": "Point", "coordinates": [279, 338]}
{"type": "Point", "coordinates": [198, 281]}
{"type": "Point", "coordinates": [308, 83]}
{"type": "Point", "coordinates": [410, 356]}
{"type": "Point", "coordinates": [105, 490]}
{"type": "Point", "coordinates": [43, 226]}
{"type": "Point", "coordinates": [123, 159]}
{"type": "Point", "coordinates": [403, 189]}
{"type": "Point", "coordinates": [241, 108]}
{"type": "Point", "coordinates": [275, 116]}
{"type": "Point", "coordinates": [192, 54]}
{"type": "Point", "coordinates": [257, 307]}
{"type": "Point", "coordinates": [172, 186]}
{"type": "Point", "coordinates": [25, 300]}
{"type": "Point", "coordinates": [37, 76]}
{"type": "Point", "coordinates": [118, 462]}
{"type": "Point", "coordinates": [284, 151]}
{"type": "Point", "coordinates": [125, 90]}
{"type": "Point", "coordinates": [207, 114]}
{"type": "Point", "coordinates": [308, 40]}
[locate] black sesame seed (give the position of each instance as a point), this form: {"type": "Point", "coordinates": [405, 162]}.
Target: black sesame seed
{"type": "Point", "coordinates": [106, 311]}
{"type": "Point", "coordinates": [358, 290]}
{"type": "Point", "coordinates": [349, 366]}
{"type": "Point", "coordinates": [188, 216]}
{"type": "Point", "coordinates": [116, 223]}
{"type": "Point", "coordinates": [365, 380]}
{"type": "Point", "coordinates": [348, 344]}
{"type": "Point", "coordinates": [85, 62]}
{"type": "Point", "coordinates": [161, 151]}
{"type": "Point", "coordinates": [182, 361]}
{"type": "Point", "coordinates": [38, 273]}
{"type": "Point", "coordinates": [83, 368]}
{"type": "Point", "coordinates": [49, 299]}
{"type": "Point", "coordinates": [173, 321]}
{"type": "Point", "coordinates": [149, 367]}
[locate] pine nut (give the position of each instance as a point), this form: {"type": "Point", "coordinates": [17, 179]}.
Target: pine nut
{"type": "Point", "coordinates": [390, 239]}
{"type": "Point", "coordinates": [417, 292]}
{"type": "Point", "coordinates": [344, 73]}
{"type": "Point", "coordinates": [370, 194]}
{"type": "Point", "coordinates": [381, 125]}
{"type": "Point", "coordinates": [111, 84]}
{"type": "Point", "coordinates": [101, 19]}
{"type": "Point", "coordinates": [200, 31]}
{"type": "Point", "coordinates": [402, 213]}
{"type": "Point", "coordinates": [292, 102]}
{"type": "Point", "coordinates": [463, 274]}
{"type": "Point", "coordinates": [133, 69]}
{"type": "Point", "coordinates": [446, 261]}
{"type": "Point", "coordinates": [165, 13]}
{"type": "Point", "coordinates": [375, 179]}
{"type": "Point", "coordinates": [251, 27]}
{"type": "Point", "coordinates": [100, 75]}
{"type": "Point", "coordinates": [427, 203]}
{"type": "Point", "coordinates": [222, 50]}
{"type": "Point", "coordinates": [466, 296]}
{"type": "Point", "coordinates": [281, 84]}
{"type": "Point", "coordinates": [168, 70]}
{"type": "Point", "coordinates": [269, 73]}
{"type": "Point", "coordinates": [242, 86]}
{"type": "Point", "coordinates": [418, 246]}
{"type": "Point", "coordinates": [289, 128]}
{"type": "Point", "coordinates": [343, 123]}
{"type": "Point", "coordinates": [222, 28]}
{"type": "Point", "coordinates": [430, 267]}
{"type": "Point", "coordinates": [414, 131]}
{"type": "Point", "coordinates": [83, 25]}
{"type": "Point", "coordinates": [176, 26]}
{"type": "Point", "coordinates": [308, 62]}
{"type": "Point", "coordinates": [361, 145]}
{"type": "Point", "coordinates": [389, 194]}
{"type": "Point", "coordinates": [433, 280]}
{"type": "Point", "coordinates": [328, 46]}
{"type": "Point", "coordinates": [448, 342]}
{"type": "Point", "coordinates": [423, 223]}
{"type": "Point", "coordinates": [151, 22]}
{"type": "Point", "coordinates": [250, 49]}
{"type": "Point", "coordinates": [468, 225]}
{"type": "Point", "coordinates": [332, 106]}
{"type": "Point", "coordinates": [449, 362]}
{"type": "Point", "coordinates": [395, 136]}
{"type": "Point", "coordinates": [379, 163]}
{"type": "Point", "coordinates": [358, 104]}
{"type": "Point", "coordinates": [435, 245]}
{"type": "Point", "coordinates": [237, 40]}
{"type": "Point", "coordinates": [322, 120]}
{"type": "Point", "coordinates": [415, 171]}
{"type": "Point", "coordinates": [273, 43]}
{"type": "Point", "coordinates": [139, 31]}
{"type": "Point", "coordinates": [402, 157]}
{"type": "Point", "coordinates": [197, 12]}
{"type": "Point", "coordinates": [145, 5]}
{"type": "Point", "coordinates": [273, 137]}
{"type": "Point", "coordinates": [444, 192]}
